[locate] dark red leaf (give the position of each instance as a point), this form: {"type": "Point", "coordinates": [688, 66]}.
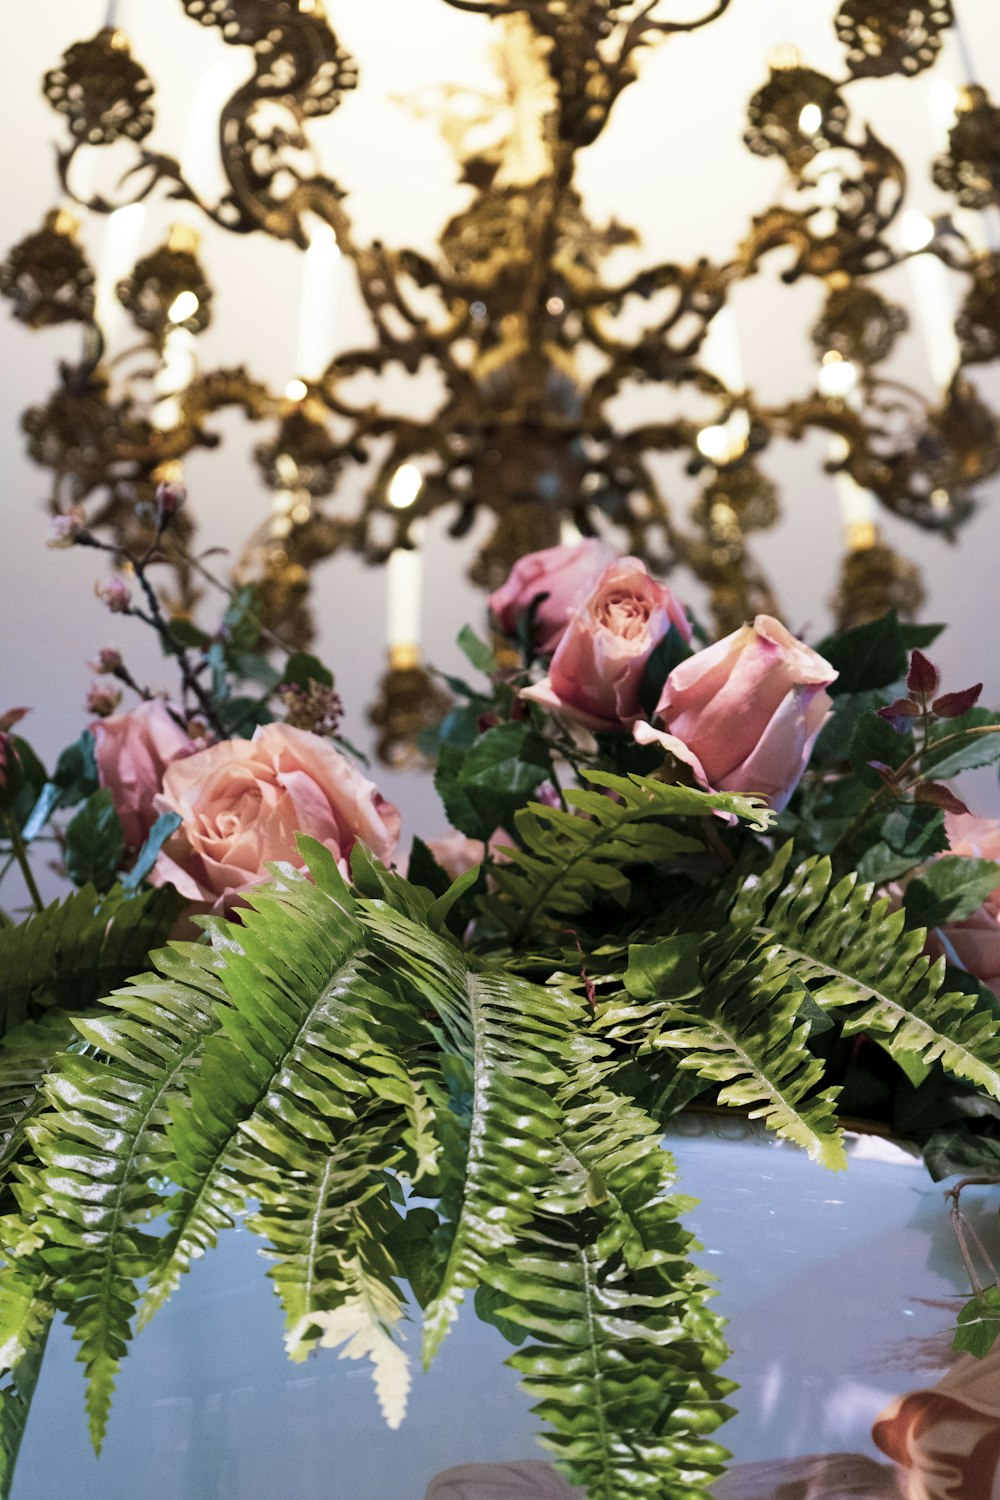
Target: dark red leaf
{"type": "Point", "coordinates": [12, 717]}
{"type": "Point", "coordinates": [939, 795]}
{"type": "Point", "coordinates": [885, 773]}
{"type": "Point", "coordinates": [897, 714]}
{"type": "Point", "coordinates": [954, 705]}
{"type": "Point", "coordinates": [923, 678]}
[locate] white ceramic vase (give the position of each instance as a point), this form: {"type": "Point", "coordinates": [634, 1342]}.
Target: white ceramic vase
{"type": "Point", "coordinates": [841, 1292]}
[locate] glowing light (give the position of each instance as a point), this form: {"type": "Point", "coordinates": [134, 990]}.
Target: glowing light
{"type": "Point", "coordinates": [296, 390]}
{"type": "Point", "coordinates": [940, 499]}
{"type": "Point", "coordinates": [944, 100]}
{"type": "Point", "coordinates": [407, 482]}
{"type": "Point", "coordinates": [837, 376]}
{"type": "Point", "coordinates": [713, 442]}
{"type": "Point", "coordinates": [915, 230]}
{"type": "Point", "coordinates": [810, 119]}
{"type": "Point", "coordinates": [555, 306]}
{"type": "Point", "coordinates": [184, 306]}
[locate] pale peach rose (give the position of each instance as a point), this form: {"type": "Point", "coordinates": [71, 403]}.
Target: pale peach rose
{"type": "Point", "coordinates": [745, 713]}
{"type": "Point", "coordinates": [456, 854]}
{"type": "Point", "coordinates": [975, 942]}
{"type": "Point", "coordinates": [133, 751]}
{"type": "Point", "coordinates": [596, 673]}
{"type": "Point", "coordinates": [947, 1440]}
{"type": "Point", "coordinates": [565, 575]}
{"type": "Point", "coordinates": [243, 801]}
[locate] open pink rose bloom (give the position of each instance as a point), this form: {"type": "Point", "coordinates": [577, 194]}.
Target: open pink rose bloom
{"type": "Point", "coordinates": [565, 575]}
{"type": "Point", "coordinates": [242, 802]}
{"type": "Point", "coordinates": [745, 713]}
{"type": "Point", "coordinates": [596, 673]}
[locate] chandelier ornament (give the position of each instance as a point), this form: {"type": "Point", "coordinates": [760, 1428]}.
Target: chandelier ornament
{"type": "Point", "coordinates": [532, 339]}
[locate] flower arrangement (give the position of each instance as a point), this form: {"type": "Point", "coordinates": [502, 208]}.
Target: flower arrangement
{"type": "Point", "coordinates": [734, 872]}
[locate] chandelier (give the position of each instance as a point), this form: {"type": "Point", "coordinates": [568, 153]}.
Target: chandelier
{"type": "Point", "coordinates": [531, 337]}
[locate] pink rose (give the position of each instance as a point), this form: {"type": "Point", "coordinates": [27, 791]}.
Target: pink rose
{"type": "Point", "coordinates": [745, 713]}
{"type": "Point", "coordinates": [975, 942]}
{"type": "Point", "coordinates": [133, 750]}
{"type": "Point", "coordinates": [456, 854]}
{"type": "Point", "coordinates": [243, 801]}
{"type": "Point", "coordinates": [596, 672]}
{"type": "Point", "coordinates": [564, 574]}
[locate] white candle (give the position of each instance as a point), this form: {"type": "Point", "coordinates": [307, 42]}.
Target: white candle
{"type": "Point", "coordinates": [119, 252]}
{"type": "Point", "coordinates": [200, 156]}
{"type": "Point", "coordinates": [172, 378]}
{"type": "Point", "coordinates": [721, 352]}
{"type": "Point", "coordinates": [933, 300]}
{"type": "Point", "coordinates": [404, 597]}
{"type": "Point", "coordinates": [318, 305]}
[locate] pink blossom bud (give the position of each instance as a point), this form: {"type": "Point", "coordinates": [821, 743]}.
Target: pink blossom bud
{"type": "Point", "coordinates": [103, 699]}
{"type": "Point", "coordinates": [169, 499]}
{"type": "Point", "coordinates": [65, 529]}
{"type": "Point", "coordinates": [109, 659]}
{"type": "Point", "coordinates": [114, 593]}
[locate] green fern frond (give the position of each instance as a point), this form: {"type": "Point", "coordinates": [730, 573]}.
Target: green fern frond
{"type": "Point", "coordinates": [571, 858]}
{"type": "Point", "coordinates": [102, 1146]}
{"type": "Point", "coordinates": [25, 1319]}
{"type": "Point", "coordinates": [363, 1326]}
{"type": "Point", "coordinates": [626, 1347]}
{"type": "Point", "coordinates": [854, 953]}
{"type": "Point", "coordinates": [506, 1044]}
{"type": "Point", "coordinates": [26, 1054]}
{"type": "Point", "coordinates": [78, 950]}
{"type": "Point", "coordinates": [740, 1030]}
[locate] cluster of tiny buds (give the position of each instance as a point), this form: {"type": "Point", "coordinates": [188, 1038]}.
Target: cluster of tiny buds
{"type": "Point", "coordinates": [103, 699]}
{"type": "Point", "coordinates": [109, 661]}
{"type": "Point", "coordinates": [114, 592]}
{"type": "Point", "coordinates": [66, 529]}
{"type": "Point", "coordinates": [317, 707]}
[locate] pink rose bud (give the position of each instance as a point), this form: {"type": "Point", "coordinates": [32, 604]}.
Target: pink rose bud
{"type": "Point", "coordinates": [114, 592]}
{"type": "Point", "coordinates": [565, 575]}
{"type": "Point", "coordinates": [745, 713]}
{"type": "Point", "coordinates": [596, 673]}
{"type": "Point", "coordinates": [103, 699]}
{"type": "Point", "coordinates": [133, 750]}
{"type": "Point", "coordinates": [108, 660]}
{"type": "Point", "coordinates": [975, 942]}
{"type": "Point", "coordinates": [65, 529]}
{"type": "Point", "coordinates": [242, 802]}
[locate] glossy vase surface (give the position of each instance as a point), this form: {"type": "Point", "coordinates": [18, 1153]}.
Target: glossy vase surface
{"type": "Point", "coordinates": [841, 1291]}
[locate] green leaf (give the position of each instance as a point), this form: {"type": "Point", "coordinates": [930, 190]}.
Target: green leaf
{"type": "Point", "coordinates": [874, 739]}
{"type": "Point", "coordinates": [665, 970]}
{"type": "Point", "coordinates": [979, 1324]}
{"type": "Point", "coordinates": [165, 825]}
{"type": "Point", "coordinates": [482, 788]}
{"type": "Point", "coordinates": [30, 781]}
{"type": "Point", "coordinates": [301, 669]}
{"type": "Point", "coordinates": [241, 715]}
{"type": "Point", "coordinates": [423, 869]}
{"type": "Point", "coordinates": [95, 843]}
{"type": "Point", "coordinates": [241, 622]}
{"type": "Point", "coordinates": [45, 804]}
{"type": "Point", "coordinates": [916, 636]}
{"type": "Point", "coordinates": [477, 651]}
{"type": "Point", "coordinates": [76, 771]}
{"type": "Point", "coordinates": [834, 744]}
{"type": "Point", "coordinates": [953, 749]}
{"type": "Point", "coordinates": [949, 890]}
{"type": "Point", "coordinates": [188, 634]}
{"type": "Point", "coordinates": [869, 656]}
